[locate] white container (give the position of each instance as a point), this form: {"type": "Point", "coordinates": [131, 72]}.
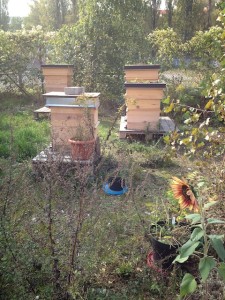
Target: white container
{"type": "Point", "coordinates": [74, 90]}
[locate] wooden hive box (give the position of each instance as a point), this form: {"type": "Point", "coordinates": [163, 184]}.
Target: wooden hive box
{"type": "Point", "coordinates": [67, 113]}
{"type": "Point", "coordinates": [143, 120]}
{"type": "Point", "coordinates": [133, 104]}
{"type": "Point", "coordinates": [145, 91]}
{"type": "Point", "coordinates": [141, 73]}
{"type": "Point", "coordinates": [56, 77]}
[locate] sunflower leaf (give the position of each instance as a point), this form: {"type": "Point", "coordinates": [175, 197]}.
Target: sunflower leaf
{"type": "Point", "coordinates": [194, 217]}
{"type": "Point", "coordinates": [209, 204]}
{"type": "Point", "coordinates": [221, 270]}
{"type": "Point", "coordinates": [188, 248]}
{"type": "Point", "coordinates": [188, 285]}
{"type": "Point", "coordinates": [197, 234]}
{"type": "Point", "coordinates": [180, 260]}
{"type": "Point", "coordinates": [206, 264]}
{"type": "Point", "coordinates": [215, 221]}
{"type": "Point", "coordinates": [217, 244]}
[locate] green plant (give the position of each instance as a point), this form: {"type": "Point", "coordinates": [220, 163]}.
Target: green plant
{"type": "Point", "coordinates": [85, 130]}
{"type": "Point", "coordinates": [206, 234]}
{"type": "Point", "coordinates": [125, 269]}
{"type": "Point", "coordinates": [21, 136]}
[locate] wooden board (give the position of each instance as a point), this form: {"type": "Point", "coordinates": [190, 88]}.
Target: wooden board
{"type": "Point", "coordinates": [142, 75]}
{"type": "Point", "coordinates": [57, 71]}
{"type": "Point", "coordinates": [74, 120]}
{"type": "Point", "coordinates": [72, 110]}
{"type": "Point", "coordinates": [69, 116]}
{"type": "Point", "coordinates": [143, 115]}
{"type": "Point", "coordinates": [57, 83]}
{"type": "Point", "coordinates": [137, 104]}
{"type": "Point", "coordinates": [145, 126]}
{"type": "Point", "coordinates": [144, 93]}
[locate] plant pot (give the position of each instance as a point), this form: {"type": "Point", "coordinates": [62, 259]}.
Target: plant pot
{"type": "Point", "coordinates": [163, 253]}
{"type": "Point", "coordinates": [115, 186]}
{"type": "Point", "coordinates": [82, 150]}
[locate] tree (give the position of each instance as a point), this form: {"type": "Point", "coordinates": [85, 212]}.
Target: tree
{"type": "Point", "coordinates": [16, 23]}
{"type": "Point", "coordinates": [106, 37]}
{"type": "Point", "coordinates": [4, 15]}
{"type": "Point", "coordinates": [49, 14]}
{"type": "Point", "coordinates": [58, 10]}
{"type": "Point", "coordinates": [153, 8]}
{"type": "Point", "coordinates": [169, 6]}
{"type": "Point", "coordinates": [203, 132]}
{"type": "Point", "coordinates": [185, 18]}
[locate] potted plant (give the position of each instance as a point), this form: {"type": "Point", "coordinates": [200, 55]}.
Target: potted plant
{"type": "Point", "coordinates": [165, 238]}
{"type": "Point", "coordinates": [83, 140]}
{"type": "Point", "coordinates": [206, 242]}
{"type": "Point", "coordinates": [168, 233]}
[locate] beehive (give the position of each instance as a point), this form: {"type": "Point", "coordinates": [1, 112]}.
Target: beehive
{"type": "Point", "coordinates": [141, 73]}
{"type": "Point", "coordinates": [143, 105]}
{"type": "Point", "coordinates": [67, 113]}
{"type": "Point", "coordinates": [56, 77]}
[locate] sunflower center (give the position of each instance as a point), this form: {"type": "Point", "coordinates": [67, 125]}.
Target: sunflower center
{"type": "Point", "coordinates": [185, 193]}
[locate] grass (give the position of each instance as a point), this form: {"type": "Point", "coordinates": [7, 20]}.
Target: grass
{"type": "Point", "coordinates": [21, 136]}
{"type": "Point", "coordinates": [112, 247]}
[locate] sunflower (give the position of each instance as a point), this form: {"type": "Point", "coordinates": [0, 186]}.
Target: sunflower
{"type": "Point", "coordinates": [183, 192]}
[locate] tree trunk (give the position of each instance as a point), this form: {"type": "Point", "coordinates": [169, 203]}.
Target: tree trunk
{"type": "Point", "coordinates": [209, 20]}
{"type": "Point", "coordinates": [169, 6]}
{"type": "Point", "coordinates": [188, 30]}
{"type": "Point", "coordinates": [74, 10]}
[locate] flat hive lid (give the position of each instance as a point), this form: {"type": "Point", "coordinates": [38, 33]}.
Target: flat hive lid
{"type": "Point", "coordinates": [63, 100]}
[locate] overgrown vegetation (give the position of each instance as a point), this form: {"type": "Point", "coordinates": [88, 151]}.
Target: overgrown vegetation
{"type": "Point", "coordinates": [61, 236]}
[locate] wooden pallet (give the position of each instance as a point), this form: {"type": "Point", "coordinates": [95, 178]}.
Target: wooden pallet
{"type": "Point", "coordinates": [165, 125]}
{"type": "Point", "coordinates": [62, 161]}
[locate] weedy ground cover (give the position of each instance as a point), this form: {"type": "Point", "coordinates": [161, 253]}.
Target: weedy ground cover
{"type": "Point", "coordinates": [62, 236]}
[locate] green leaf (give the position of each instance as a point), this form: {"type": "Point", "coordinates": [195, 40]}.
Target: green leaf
{"type": "Point", "coordinates": [188, 248]}
{"type": "Point", "coordinates": [166, 101]}
{"type": "Point", "coordinates": [214, 221]}
{"type": "Point", "coordinates": [217, 244]}
{"type": "Point", "coordinates": [206, 264]}
{"type": "Point", "coordinates": [221, 270]}
{"type": "Point", "coordinates": [169, 108]}
{"type": "Point", "coordinates": [179, 259]}
{"type": "Point", "coordinates": [197, 234]}
{"type": "Point", "coordinates": [209, 204]}
{"type": "Point", "coordinates": [194, 217]}
{"type": "Point", "coordinates": [216, 236]}
{"type": "Point", "coordinates": [201, 184]}
{"type": "Point", "coordinates": [188, 285]}
{"type": "Point", "coordinates": [197, 225]}
{"type": "Point", "coordinates": [209, 104]}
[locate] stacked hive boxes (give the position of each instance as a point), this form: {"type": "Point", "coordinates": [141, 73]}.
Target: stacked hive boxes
{"type": "Point", "coordinates": [67, 115]}
{"type": "Point", "coordinates": [143, 96]}
{"type": "Point", "coordinates": [69, 106]}
{"type": "Point", "coordinates": [56, 77]}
